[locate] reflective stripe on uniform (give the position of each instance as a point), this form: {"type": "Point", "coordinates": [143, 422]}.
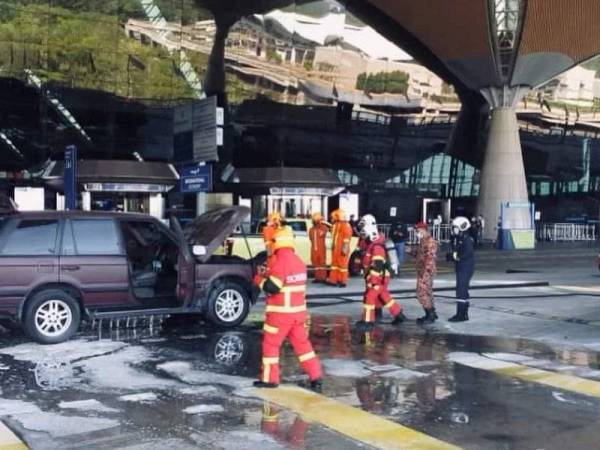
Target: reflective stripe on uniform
{"type": "Point", "coordinates": [307, 356]}
{"type": "Point", "coordinates": [378, 258]}
{"type": "Point", "coordinates": [267, 362]}
{"type": "Point", "coordinates": [276, 281]}
{"type": "Point", "coordinates": [389, 304]}
{"type": "Point", "coordinates": [270, 329]}
{"type": "Point", "coordinates": [270, 360]}
{"type": "Point", "coordinates": [285, 309]}
{"type": "Point", "coordinates": [369, 307]}
{"type": "Point", "coordinates": [288, 291]}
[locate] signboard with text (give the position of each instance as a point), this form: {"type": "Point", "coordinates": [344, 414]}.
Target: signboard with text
{"type": "Point", "coordinates": [196, 178]}
{"type": "Point", "coordinates": [70, 177]}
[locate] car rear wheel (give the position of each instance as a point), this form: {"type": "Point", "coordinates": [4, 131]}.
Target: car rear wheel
{"type": "Point", "coordinates": [51, 316]}
{"type": "Point", "coordinates": [228, 304]}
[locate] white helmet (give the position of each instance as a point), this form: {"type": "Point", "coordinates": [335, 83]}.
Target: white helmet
{"type": "Point", "coordinates": [370, 232]}
{"type": "Point", "coordinates": [460, 224]}
{"type": "Point", "coordinates": [366, 220]}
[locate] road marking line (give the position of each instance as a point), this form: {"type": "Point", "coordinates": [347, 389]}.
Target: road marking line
{"type": "Point", "coordinates": [352, 422]}
{"type": "Point", "coordinates": [584, 289]}
{"type": "Point", "coordinates": [9, 440]}
{"type": "Point", "coordinates": [557, 380]}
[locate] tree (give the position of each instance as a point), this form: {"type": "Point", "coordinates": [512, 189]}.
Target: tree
{"type": "Point", "coordinates": [395, 82]}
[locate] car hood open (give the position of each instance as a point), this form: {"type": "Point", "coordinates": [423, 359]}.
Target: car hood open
{"type": "Point", "coordinates": [212, 228]}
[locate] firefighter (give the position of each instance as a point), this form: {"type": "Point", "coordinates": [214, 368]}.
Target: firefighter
{"type": "Point", "coordinates": [318, 255]}
{"type": "Point", "coordinates": [377, 279]}
{"type": "Point", "coordinates": [284, 282]}
{"type": "Point", "coordinates": [464, 262]}
{"type": "Point", "coordinates": [274, 222]}
{"type": "Point", "coordinates": [426, 265]}
{"type": "Point", "coordinates": [340, 252]}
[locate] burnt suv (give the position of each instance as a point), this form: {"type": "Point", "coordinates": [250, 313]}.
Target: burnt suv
{"type": "Point", "coordinates": [60, 268]}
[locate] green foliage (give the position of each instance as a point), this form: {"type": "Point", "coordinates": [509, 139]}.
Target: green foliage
{"type": "Point", "coordinates": [395, 82]}
{"type": "Point", "coordinates": [87, 50]}
{"type": "Point", "coordinates": [308, 65]}
{"type": "Point", "coordinates": [325, 67]}
{"type": "Point", "coordinates": [273, 56]}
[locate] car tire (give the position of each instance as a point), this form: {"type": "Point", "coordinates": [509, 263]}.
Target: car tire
{"type": "Point", "coordinates": [228, 304]}
{"type": "Point", "coordinates": [51, 316]}
{"type": "Point", "coordinates": [354, 268]}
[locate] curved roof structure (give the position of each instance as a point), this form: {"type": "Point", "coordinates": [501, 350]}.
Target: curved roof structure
{"type": "Point", "coordinates": [494, 43]}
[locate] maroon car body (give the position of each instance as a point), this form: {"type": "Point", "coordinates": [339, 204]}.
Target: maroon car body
{"type": "Point", "coordinates": [58, 268]}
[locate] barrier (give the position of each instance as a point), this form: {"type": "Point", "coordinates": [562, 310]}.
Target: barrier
{"type": "Point", "coordinates": [566, 232]}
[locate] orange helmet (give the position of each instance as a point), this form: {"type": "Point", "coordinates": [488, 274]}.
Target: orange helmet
{"type": "Point", "coordinates": [274, 219]}
{"type": "Point", "coordinates": [317, 217]}
{"type": "Point", "coordinates": [283, 238]}
{"type": "Point", "coordinates": [338, 215]}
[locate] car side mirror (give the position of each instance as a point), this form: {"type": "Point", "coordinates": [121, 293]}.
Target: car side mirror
{"type": "Point", "coordinates": [199, 250]}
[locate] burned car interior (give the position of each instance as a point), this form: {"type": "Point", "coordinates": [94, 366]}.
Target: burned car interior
{"type": "Point", "coordinates": [153, 258]}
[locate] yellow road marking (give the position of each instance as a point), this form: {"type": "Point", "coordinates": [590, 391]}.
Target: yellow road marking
{"type": "Point", "coordinates": [557, 380]}
{"type": "Point", "coordinates": [352, 422]}
{"type": "Point", "coordinates": [9, 441]}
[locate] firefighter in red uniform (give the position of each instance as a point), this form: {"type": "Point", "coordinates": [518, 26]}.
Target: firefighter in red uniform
{"type": "Point", "coordinates": [318, 251]}
{"type": "Point", "coordinates": [284, 282]}
{"type": "Point", "coordinates": [274, 221]}
{"type": "Point", "coordinates": [340, 251]}
{"type": "Point", "coordinates": [377, 279]}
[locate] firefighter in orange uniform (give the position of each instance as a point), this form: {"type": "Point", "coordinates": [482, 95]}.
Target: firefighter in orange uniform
{"type": "Point", "coordinates": [284, 282]}
{"type": "Point", "coordinates": [274, 221]}
{"type": "Point", "coordinates": [340, 256]}
{"type": "Point", "coordinates": [318, 256]}
{"type": "Point", "coordinates": [377, 279]}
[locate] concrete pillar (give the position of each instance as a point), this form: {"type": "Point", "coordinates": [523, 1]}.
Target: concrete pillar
{"type": "Point", "coordinates": [503, 175]}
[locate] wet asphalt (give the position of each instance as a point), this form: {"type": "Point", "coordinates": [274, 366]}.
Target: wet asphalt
{"type": "Point", "coordinates": [184, 385]}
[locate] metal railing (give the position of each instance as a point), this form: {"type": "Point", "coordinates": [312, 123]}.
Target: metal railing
{"type": "Point", "coordinates": [440, 233]}
{"type": "Point", "coordinates": [566, 232]}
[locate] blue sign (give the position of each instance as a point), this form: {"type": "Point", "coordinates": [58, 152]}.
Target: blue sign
{"type": "Point", "coordinates": [70, 177]}
{"type": "Point", "coordinates": [196, 178]}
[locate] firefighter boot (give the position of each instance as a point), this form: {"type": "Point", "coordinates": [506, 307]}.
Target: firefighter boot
{"type": "Point", "coordinates": [316, 385]}
{"type": "Point", "coordinates": [429, 317]}
{"type": "Point", "coordinates": [378, 314]}
{"type": "Point", "coordinates": [462, 312]}
{"type": "Point", "coordinates": [399, 318]}
{"type": "Point", "coordinates": [264, 384]}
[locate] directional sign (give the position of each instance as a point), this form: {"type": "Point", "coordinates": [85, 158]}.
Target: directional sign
{"type": "Point", "coordinates": [70, 178]}
{"type": "Point", "coordinates": [196, 178]}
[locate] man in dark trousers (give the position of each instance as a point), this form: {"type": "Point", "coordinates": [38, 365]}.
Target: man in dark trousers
{"type": "Point", "coordinates": [398, 235]}
{"type": "Point", "coordinates": [464, 260]}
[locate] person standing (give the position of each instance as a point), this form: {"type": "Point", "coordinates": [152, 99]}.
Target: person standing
{"type": "Point", "coordinates": [340, 252]}
{"type": "Point", "coordinates": [377, 279]}
{"type": "Point", "coordinates": [481, 227]}
{"type": "Point", "coordinates": [426, 265]}
{"type": "Point", "coordinates": [474, 230]}
{"type": "Point", "coordinates": [318, 252]}
{"type": "Point", "coordinates": [284, 282]}
{"type": "Point", "coordinates": [463, 256]}
{"type": "Point", "coordinates": [274, 221]}
{"type": "Point", "coordinates": [398, 236]}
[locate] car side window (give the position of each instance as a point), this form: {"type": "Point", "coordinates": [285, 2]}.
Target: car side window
{"type": "Point", "coordinates": [31, 238]}
{"type": "Point", "coordinates": [96, 237]}
{"type": "Point", "coordinates": [298, 226]}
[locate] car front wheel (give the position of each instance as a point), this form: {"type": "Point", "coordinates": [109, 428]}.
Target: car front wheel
{"type": "Point", "coordinates": [228, 304]}
{"type": "Point", "coordinates": [51, 316]}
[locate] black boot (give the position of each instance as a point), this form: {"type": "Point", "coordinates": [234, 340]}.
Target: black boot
{"type": "Point", "coordinates": [364, 326]}
{"type": "Point", "coordinates": [429, 317]}
{"type": "Point", "coordinates": [316, 385]}
{"type": "Point", "coordinates": [399, 319]}
{"type": "Point", "coordinates": [462, 312]}
{"type": "Point", "coordinates": [378, 314]}
{"type": "Point", "coordinates": [263, 384]}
